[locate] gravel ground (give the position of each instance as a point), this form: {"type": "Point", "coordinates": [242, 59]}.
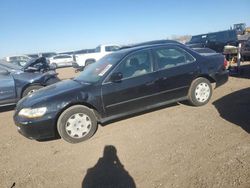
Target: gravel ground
{"type": "Point", "coordinates": [176, 146]}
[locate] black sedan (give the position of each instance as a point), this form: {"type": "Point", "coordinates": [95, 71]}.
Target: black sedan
{"type": "Point", "coordinates": [17, 81]}
{"type": "Point", "coordinates": [125, 82]}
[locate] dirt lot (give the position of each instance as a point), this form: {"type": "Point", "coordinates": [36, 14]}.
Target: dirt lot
{"type": "Point", "coordinates": [176, 146]}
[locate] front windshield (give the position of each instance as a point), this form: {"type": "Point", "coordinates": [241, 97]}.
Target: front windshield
{"type": "Point", "coordinates": [94, 72]}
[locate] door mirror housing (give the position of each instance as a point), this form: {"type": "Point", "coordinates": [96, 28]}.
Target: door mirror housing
{"type": "Point", "coordinates": [4, 72]}
{"type": "Point", "coordinates": [116, 77]}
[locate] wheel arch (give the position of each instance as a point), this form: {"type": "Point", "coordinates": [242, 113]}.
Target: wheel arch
{"type": "Point", "coordinates": [29, 85]}
{"type": "Point", "coordinates": [78, 103]}
{"type": "Point", "coordinates": [74, 104]}
{"type": "Point", "coordinates": [211, 79]}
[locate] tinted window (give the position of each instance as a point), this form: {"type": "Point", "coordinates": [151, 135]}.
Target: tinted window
{"type": "Point", "coordinates": [111, 48]}
{"type": "Point", "coordinates": [172, 57]}
{"type": "Point", "coordinates": [33, 55]}
{"type": "Point", "coordinates": [98, 49]}
{"type": "Point", "coordinates": [62, 57]}
{"type": "Point", "coordinates": [13, 58]}
{"type": "Point", "coordinates": [47, 55]}
{"type": "Point", "coordinates": [57, 57]}
{"type": "Point", "coordinates": [135, 65]}
{"type": "Point", "coordinates": [198, 39]}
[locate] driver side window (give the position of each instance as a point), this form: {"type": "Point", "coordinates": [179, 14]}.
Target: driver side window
{"type": "Point", "coordinates": [135, 65]}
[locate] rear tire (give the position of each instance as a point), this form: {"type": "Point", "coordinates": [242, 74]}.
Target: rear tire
{"type": "Point", "coordinates": [31, 89]}
{"type": "Point", "coordinates": [77, 124]}
{"type": "Point", "coordinates": [200, 92]}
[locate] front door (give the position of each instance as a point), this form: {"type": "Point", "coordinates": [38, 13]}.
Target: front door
{"type": "Point", "coordinates": [135, 89]}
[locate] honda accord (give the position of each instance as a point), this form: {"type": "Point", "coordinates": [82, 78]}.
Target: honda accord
{"type": "Point", "coordinates": [128, 81]}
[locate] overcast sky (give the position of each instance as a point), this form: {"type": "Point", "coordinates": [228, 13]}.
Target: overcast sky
{"type": "Point", "coordinates": [30, 26]}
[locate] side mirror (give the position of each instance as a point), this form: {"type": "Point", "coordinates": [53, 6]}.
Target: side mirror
{"type": "Point", "coordinates": [4, 72]}
{"type": "Point", "coordinates": [116, 77]}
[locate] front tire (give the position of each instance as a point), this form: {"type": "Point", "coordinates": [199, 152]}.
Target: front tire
{"type": "Point", "coordinates": [77, 124]}
{"type": "Point", "coordinates": [200, 92]}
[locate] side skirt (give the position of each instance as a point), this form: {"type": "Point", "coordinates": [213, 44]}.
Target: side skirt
{"type": "Point", "coordinates": [106, 119]}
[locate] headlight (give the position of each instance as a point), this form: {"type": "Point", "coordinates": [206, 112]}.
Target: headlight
{"type": "Point", "coordinates": [32, 113]}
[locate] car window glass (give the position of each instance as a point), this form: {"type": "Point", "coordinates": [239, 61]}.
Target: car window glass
{"type": "Point", "coordinates": [98, 49]}
{"type": "Point", "coordinates": [135, 65]}
{"type": "Point", "coordinates": [66, 56]}
{"type": "Point", "coordinates": [172, 57]}
{"type": "Point", "coordinates": [58, 57]}
{"type": "Point", "coordinates": [111, 48]}
{"type": "Point", "coordinates": [13, 58]}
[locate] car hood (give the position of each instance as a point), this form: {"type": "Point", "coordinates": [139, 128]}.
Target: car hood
{"type": "Point", "coordinates": [52, 93]}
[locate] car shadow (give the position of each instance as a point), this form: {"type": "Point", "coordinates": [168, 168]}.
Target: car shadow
{"type": "Point", "coordinates": [244, 72]}
{"type": "Point", "coordinates": [108, 172]}
{"type": "Point", "coordinates": [57, 137]}
{"type": "Point", "coordinates": [140, 113]}
{"type": "Point", "coordinates": [49, 139]}
{"type": "Point", "coordinates": [7, 108]}
{"type": "Point", "coordinates": [235, 108]}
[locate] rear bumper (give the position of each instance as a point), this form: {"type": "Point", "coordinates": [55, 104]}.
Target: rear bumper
{"type": "Point", "coordinates": [221, 78]}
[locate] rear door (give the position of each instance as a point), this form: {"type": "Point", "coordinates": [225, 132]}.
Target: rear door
{"type": "Point", "coordinates": [7, 88]}
{"type": "Point", "coordinates": [176, 69]}
{"type": "Point", "coordinates": [135, 90]}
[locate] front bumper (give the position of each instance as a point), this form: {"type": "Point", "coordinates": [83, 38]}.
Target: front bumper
{"type": "Point", "coordinates": [37, 129]}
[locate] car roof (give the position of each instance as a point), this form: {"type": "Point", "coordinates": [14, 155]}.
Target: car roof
{"type": "Point", "coordinates": [148, 45]}
{"type": "Point", "coordinates": [154, 42]}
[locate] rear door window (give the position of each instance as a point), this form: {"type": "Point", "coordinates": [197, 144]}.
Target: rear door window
{"type": "Point", "coordinates": [170, 57]}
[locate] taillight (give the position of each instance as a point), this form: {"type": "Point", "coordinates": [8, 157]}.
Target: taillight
{"type": "Point", "coordinates": [225, 63]}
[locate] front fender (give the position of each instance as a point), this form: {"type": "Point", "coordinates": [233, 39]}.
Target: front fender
{"type": "Point", "coordinates": [24, 80]}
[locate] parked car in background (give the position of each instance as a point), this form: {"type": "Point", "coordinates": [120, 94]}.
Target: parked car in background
{"type": "Point", "coordinates": [215, 41]}
{"type": "Point", "coordinates": [17, 81]}
{"type": "Point", "coordinates": [122, 83]}
{"type": "Point", "coordinates": [245, 50]}
{"type": "Point", "coordinates": [85, 59]}
{"type": "Point", "coordinates": [20, 60]}
{"type": "Point", "coordinates": [62, 60]}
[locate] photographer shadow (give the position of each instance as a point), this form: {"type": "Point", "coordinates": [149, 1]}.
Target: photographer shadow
{"type": "Point", "coordinates": [108, 172]}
